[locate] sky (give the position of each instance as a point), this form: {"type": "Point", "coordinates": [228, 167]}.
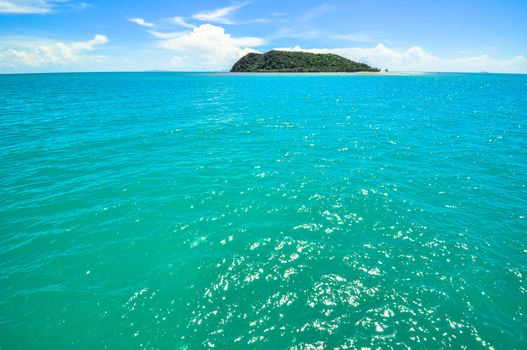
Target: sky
{"type": "Point", "coordinates": [193, 35]}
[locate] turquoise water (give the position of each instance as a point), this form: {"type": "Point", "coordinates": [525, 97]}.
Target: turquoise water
{"type": "Point", "coordinates": [175, 211]}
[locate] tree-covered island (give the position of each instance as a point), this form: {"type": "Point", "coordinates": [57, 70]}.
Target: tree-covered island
{"type": "Point", "coordinates": [298, 62]}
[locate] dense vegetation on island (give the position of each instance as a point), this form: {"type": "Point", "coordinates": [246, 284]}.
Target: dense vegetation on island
{"type": "Point", "coordinates": [289, 61]}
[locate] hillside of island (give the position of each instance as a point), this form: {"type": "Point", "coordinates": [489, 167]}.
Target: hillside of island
{"type": "Point", "coordinates": [298, 62]}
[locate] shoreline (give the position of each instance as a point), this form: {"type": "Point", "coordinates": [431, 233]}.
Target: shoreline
{"type": "Point", "coordinates": [320, 73]}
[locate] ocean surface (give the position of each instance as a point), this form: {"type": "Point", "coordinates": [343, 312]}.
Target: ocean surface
{"type": "Point", "coordinates": [190, 211]}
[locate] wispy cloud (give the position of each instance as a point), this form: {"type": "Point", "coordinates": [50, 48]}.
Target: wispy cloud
{"type": "Point", "coordinates": [166, 35]}
{"type": "Point", "coordinates": [38, 6]}
{"type": "Point", "coordinates": [221, 15]}
{"type": "Point", "coordinates": [180, 21]}
{"type": "Point", "coordinates": [141, 22]}
{"type": "Point", "coordinates": [41, 52]}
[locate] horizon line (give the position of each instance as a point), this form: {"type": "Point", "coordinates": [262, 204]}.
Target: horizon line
{"type": "Point", "coordinates": [381, 73]}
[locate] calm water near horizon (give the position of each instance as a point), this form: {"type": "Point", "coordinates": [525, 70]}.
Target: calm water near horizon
{"type": "Point", "coordinates": [185, 211]}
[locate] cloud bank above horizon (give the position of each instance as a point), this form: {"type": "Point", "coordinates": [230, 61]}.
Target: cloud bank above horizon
{"type": "Point", "coordinates": [416, 58]}
{"type": "Point", "coordinates": [40, 53]}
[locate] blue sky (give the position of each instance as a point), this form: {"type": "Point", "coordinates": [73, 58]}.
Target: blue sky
{"type": "Point", "coordinates": [127, 35]}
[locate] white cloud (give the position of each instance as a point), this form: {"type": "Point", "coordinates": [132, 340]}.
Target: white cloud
{"type": "Point", "coordinates": [166, 35]}
{"type": "Point", "coordinates": [220, 15]}
{"type": "Point", "coordinates": [418, 59]}
{"type": "Point", "coordinates": [90, 44]}
{"type": "Point", "coordinates": [41, 53]}
{"type": "Point", "coordinates": [18, 6]}
{"type": "Point", "coordinates": [36, 6]}
{"type": "Point", "coordinates": [207, 48]}
{"type": "Point", "coordinates": [180, 21]}
{"type": "Point", "coordinates": [141, 22]}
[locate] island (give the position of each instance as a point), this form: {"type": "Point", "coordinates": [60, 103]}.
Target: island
{"type": "Point", "coordinates": [276, 61]}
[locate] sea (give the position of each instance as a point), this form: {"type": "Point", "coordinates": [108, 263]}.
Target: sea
{"type": "Point", "coordinates": [164, 210]}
